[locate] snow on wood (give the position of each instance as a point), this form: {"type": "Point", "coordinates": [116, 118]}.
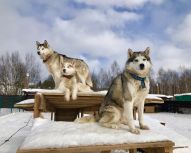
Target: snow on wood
{"type": "Point", "coordinates": [161, 96]}
{"type": "Point", "coordinates": [47, 134]}
{"type": "Point", "coordinates": [151, 97]}
{"type": "Point", "coordinates": [27, 101]}
{"type": "Point", "coordinates": [183, 94]}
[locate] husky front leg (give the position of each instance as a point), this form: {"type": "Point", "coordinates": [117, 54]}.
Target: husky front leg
{"type": "Point", "coordinates": [140, 115]}
{"type": "Point", "coordinates": [74, 91]}
{"type": "Point", "coordinates": [67, 94]}
{"type": "Point", "coordinates": [128, 116]}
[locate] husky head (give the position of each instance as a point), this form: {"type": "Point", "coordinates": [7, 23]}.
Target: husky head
{"type": "Point", "coordinates": [139, 62]}
{"type": "Point", "coordinates": [67, 69]}
{"type": "Point", "coordinates": [44, 50]}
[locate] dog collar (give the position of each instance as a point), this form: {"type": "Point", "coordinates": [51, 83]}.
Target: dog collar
{"type": "Point", "coordinates": [136, 77]}
{"type": "Point", "coordinates": [68, 76]}
{"type": "Point", "coordinates": [46, 59]}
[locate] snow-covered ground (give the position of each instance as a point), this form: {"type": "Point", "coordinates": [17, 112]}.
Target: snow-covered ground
{"type": "Point", "coordinates": [181, 123]}
{"type": "Point", "coordinates": [16, 126]}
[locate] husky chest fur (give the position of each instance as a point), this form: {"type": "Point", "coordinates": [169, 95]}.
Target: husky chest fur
{"type": "Point", "coordinates": [127, 90]}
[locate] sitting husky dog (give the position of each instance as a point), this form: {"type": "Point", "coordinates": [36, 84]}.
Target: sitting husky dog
{"type": "Point", "coordinates": [68, 83]}
{"type": "Point", "coordinates": [127, 90]}
{"type": "Point", "coordinates": [53, 61]}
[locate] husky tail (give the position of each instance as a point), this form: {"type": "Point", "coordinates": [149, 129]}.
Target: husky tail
{"type": "Point", "coordinates": [89, 80]}
{"type": "Point", "coordinates": [87, 119]}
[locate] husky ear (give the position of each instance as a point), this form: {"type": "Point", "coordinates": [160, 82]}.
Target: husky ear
{"type": "Point", "coordinates": [46, 43]}
{"type": "Point", "coordinates": [130, 52]}
{"type": "Point", "coordinates": [147, 51]}
{"type": "Point", "coordinates": [37, 43]}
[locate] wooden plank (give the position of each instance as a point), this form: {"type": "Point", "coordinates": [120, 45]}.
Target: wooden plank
{"type": "Point", "coordinates": [159, 150]}
{"type": "Point", "coordinates": [79, 149]}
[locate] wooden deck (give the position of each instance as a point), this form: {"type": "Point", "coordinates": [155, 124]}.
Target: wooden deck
{"type": "Point", "coordinates": [152, 147]}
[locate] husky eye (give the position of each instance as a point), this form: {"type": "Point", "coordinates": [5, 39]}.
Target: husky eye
{"type": "Point", "coordinates": [42, 48]}
{"type": "Point", "coordinates": [136, 60]}
{"type": "Point", "coordinates": [144, 59]}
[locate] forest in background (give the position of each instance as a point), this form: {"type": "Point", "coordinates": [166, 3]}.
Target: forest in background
{"type": "Point", "coordinates": [17, 73]}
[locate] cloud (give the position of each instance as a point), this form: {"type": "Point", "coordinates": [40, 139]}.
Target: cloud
{"type": "Point", "coordinates": [119, 3]}
{"type": "Point", "coordinates": [181, 34]}
{"type": "Point", "coordinates": [97, 31]}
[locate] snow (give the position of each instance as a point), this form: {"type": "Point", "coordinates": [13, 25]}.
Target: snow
{"type": "Point", "coordinates": [42, 90]}
{"type": "Point", "coordinates": [177, 129]}
{"type": "Point", "coordinates": [11, 123]}
{"type": "Point", "coordinates": [181, 123]}
{"type": "Point", "coordinates": [183, 94]}
{"type": "Point", "coordinates": [27, 101]}
{"type": "Point", "coordinates": [49, 134]}
{"type": "Point", "coordinates": [161, 96]}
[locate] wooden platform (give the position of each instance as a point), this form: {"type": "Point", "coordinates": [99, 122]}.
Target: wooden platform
{"type": "Point", "coordinates": [68, 111]}
{"type": "Point", "coordinates": [152, 147]}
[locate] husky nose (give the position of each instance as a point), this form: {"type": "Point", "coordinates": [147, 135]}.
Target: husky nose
{"type": "Point", "coordinates": [142, 66]}
{"type": "Point", "coordinates": [64, 70]}
{"type": "Point", "coordinates": [38, 53]}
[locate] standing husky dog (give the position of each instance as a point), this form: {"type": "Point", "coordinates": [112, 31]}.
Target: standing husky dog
{"type": "Point", "coordinates": [68, 82]}
{"type": "Point", "coordinates": [53, 60]}
{"type": "Point", "coordinates": [127, 90]}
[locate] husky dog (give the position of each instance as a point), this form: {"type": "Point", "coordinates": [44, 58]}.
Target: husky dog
{"type": "Point", "coordinates": [53, 61]}
{"type": "Point", "coordinates": [68, 82]}
{"type": "Point", "coordinates": [128, 90]}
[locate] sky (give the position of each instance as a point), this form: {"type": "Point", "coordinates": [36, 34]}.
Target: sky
{"type": "Point", "coordinates": [100, 31]}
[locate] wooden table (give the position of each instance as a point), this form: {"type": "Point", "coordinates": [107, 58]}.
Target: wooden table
{"type": "Point", "coordinates": [149, 147]}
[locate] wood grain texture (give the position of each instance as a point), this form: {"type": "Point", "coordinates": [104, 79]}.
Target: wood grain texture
{"type": "Point", "coordinates": [155, 147]}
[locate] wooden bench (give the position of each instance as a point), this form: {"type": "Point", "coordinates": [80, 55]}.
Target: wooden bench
{"type": "Point", "coordinates": [152, 147]}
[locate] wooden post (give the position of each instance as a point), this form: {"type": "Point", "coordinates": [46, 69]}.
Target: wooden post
{"type": "Point", "coordinates": [37, 103]}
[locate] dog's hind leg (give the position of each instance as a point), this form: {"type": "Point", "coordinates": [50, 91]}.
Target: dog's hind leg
{"type": "Point", "coordinates": [110, 118]}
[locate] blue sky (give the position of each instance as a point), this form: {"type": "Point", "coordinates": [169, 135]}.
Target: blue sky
{"type": "Point", "coordinates": [100, 31]}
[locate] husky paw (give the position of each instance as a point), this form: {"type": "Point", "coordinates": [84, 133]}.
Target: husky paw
{"type": "Point", "coordinates": [67, 98]}
{"type": "Point", "coordinates": [135, 131]}
{"type": "Point", "coordinates": [74, 97]}
{"type": "Point", "coordinates": [144, 127]}
{"type": "Point", "coordinates": [114, 126]}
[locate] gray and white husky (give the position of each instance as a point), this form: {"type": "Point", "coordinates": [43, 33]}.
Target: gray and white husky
{"type": "Point", "coordinates": [53, 61]}
{"type": "Point", "coordinates": [128, 90]}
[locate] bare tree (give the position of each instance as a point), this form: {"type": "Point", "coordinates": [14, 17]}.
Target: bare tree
{"type": "Point", "coordinates": [32, 68]}
{"type": "Point", "coordinates": [13, 72]}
